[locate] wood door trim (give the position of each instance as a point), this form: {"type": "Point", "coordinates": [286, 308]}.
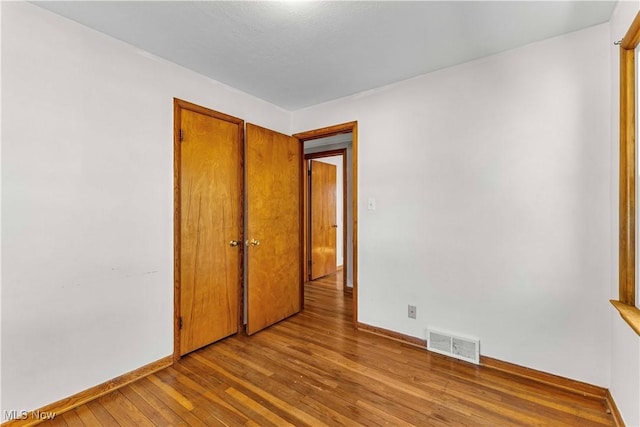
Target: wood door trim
{"type": "Point", "coordinates": [613, 408]}
{"type": "Point", "coordinates": [307, 157]}
{"type": "Point", "coordinates": [331, 131]}
{"type": "Point", "coordinates": [303, 219]}
{"type": "Point", "coordinates": [326, 131]}
{"type": "Point", "coordinates": [396, 336]}
{"type": "Point", "coordinates": [178, 106]}
{"type": "Point", "coordinates": [329, 153]}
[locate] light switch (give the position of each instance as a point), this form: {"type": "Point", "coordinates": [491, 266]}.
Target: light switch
{"type": "Point", "coordinates": [371, 204]}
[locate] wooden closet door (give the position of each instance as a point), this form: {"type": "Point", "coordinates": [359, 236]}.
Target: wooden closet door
{"type": "Point", "coordinates": [273, 177]}
{"type": "Point", "coordinates": [210, 227]}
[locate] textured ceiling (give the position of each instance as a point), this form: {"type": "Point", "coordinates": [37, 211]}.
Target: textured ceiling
{"type": "Point", "coordinates": [297, 54]}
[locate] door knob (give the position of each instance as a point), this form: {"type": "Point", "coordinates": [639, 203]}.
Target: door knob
{"type": "Point", "coordinates": [234, 243]}
{"type": "Point", "coordinates": [335, 225]}
{"type": "Point", "coordinates": [252, 242]}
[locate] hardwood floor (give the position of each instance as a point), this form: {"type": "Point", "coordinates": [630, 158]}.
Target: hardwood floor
{"type": "Point", "coordinates": [315, 369]}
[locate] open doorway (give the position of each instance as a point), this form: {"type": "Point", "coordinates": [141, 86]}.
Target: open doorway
{"type": "Point", "coordinates": [341, 141]}
{"type": "Point", "coordinates": [326, 213]}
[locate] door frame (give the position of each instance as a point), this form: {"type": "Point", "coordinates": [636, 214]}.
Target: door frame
{"type": "Point", "coordinates": [178, 106]}
{"type": "Point", "coordinates": [350, 127]}
{"type": "Point", "coordinates": [307, 214]}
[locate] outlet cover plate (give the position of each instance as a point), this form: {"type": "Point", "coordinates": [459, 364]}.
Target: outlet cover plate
{"type": "Point", "coordinates": [412, 311]}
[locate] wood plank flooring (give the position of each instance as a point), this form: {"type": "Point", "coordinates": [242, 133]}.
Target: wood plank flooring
{"type": "Point", "coordinates": [314, 369]}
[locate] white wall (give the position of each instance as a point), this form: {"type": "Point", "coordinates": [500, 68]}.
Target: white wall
{"type": "Point", "coordinates": [337, 162]}
{"type": "Point", "coordinates": [495, 183]}
{"type": "Point", "coordinates": [1, 175]}
{"type": "Point", "coordinates": [493, 202]}
{"type": "Point", "coordinates": [87, 202]}
{"type": "Point", "coordinates": [625, 348]}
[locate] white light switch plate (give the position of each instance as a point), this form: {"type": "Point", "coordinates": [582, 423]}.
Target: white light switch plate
{"type": "Point", "coordinates": [371, 204]}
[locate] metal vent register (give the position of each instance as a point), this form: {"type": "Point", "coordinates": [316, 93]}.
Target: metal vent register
{"type": "Point", "coordinates": [463, 348]}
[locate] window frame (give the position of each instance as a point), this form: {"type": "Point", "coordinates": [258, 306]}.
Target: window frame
{"type": "Point", "coordinates": [626, 303]}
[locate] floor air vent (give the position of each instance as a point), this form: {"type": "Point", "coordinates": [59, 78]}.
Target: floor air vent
{"type": "Point", "coordinates": [462, 348]}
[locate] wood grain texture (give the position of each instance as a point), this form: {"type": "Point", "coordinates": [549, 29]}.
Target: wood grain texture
{"type": "Point", "coordinates": [305, 182]}
{"type": "Point", "coordinates": [569, 385]}
{"type": "Point", "coordinates": [210, 185]}
{"type": "Point", "coordinates": [314, 369]}
{"type": "Point", "coordinates": [302, 209]}
{"type": "Point", "coordinates": [345, 225]}
{"type": "Point", "coordinates": [326, 131]}
{"type": "Point", "coordinates": [83, 416]}
{"type": "Point", "coordinates": [274, 277]}
{"type": "Point", "coordinates": [323, 219]}
{"type": "Point", "coordinates": [613, 410]}
{"type": "Point", "coordinates": [178, 105]}
{"type": "Point", "coordinates": [629, 313]}
{"type": "Point", "coordinates": [392, 335]}
{"type": "Point", "coordinates": [627, 241]}
{"type": "Point", "coordinates": [627, 177]}
{"type": "Point", "coordinates": [181, 106]}
{"type": "Point", "coordinates": [354, 180]}
{"type": "Point", "coordinates": [632, 37]}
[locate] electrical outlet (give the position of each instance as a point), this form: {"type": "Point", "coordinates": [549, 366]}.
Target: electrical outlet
{"type": "Point", "coordinates": [411, 312]}
{"type": "Point", "coordinates": [371, 204]}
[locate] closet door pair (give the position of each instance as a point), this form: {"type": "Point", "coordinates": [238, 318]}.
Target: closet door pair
{"type": "Point", "coordinates": [212, 188]}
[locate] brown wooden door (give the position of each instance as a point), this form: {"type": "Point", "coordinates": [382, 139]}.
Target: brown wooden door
{"type": "Point", "coordinates": [273, 172]}
{"type": "Point", "coordinates": [210, 218]}
{"type": "Point", "coordinates": [323, 219]}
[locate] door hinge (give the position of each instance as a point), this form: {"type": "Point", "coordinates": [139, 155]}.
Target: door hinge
{"type": "Point", "coordinates": [180, 322]}
{"type": "Point", "coordinates": [181, 135]}
{"type": "Point", "coordinates": [309, 172]}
